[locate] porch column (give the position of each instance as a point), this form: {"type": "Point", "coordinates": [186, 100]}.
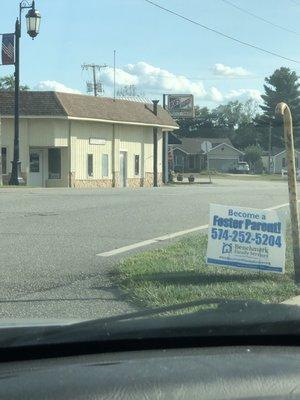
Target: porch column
{"type": "Point", "coordinates": [165, 157]}
{"type": "Point", "coordinates": [1, 181]}
{"type": "Point", "coordinates": [115, 157]}
{"type": "Point", "coordinates": [72, 157]}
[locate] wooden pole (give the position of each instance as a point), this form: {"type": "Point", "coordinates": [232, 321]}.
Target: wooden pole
{"type": "Point", "coordinates": [283, 110]}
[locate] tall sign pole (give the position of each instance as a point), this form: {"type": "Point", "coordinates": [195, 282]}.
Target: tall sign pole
{"type": "Point", "coordinates": [283, 110]}
{"type": "Point", "coordinates": [165, 148]}
{"type": "Point", "coordinates": [155, 145]}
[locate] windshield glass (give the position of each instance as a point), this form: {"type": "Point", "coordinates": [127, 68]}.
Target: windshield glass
{"type": "Point", "coordinates": [149, 166]}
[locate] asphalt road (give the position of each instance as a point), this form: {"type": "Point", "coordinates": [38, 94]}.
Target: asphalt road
{"type": "Point", "coordinates": [50, 239]}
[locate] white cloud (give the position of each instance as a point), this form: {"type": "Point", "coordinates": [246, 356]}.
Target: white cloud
{"type": "Point", "coordinates": [55, 86]}
{"type": "Point", "coordinates": [215, 95]}
{"type": "Point", "coordinates": [230, 72]}
{"type": "Point", "coordinates": [243, 94]}
{"type": "Point", "coordinates": [151, 79]}
{"type": "Point", "coordinates": [122, 77]}
{"type": "Point", "coordinates": [154, 80]}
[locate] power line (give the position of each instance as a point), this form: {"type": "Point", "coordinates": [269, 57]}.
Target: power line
{"type": "Point", "coordinates": [221, 33]}
{"type": "Point", "coordinates": [260, 18]}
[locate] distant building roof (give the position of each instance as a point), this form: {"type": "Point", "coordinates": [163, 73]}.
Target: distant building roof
{"type": "Point", "coordinates": [276, 151]}
{"type": "Point", "coordinates": [173, 139]}
{"type": "Point", "coordinates": [69, 105]}
{"type": "Point", "coordinates": [193, 145]}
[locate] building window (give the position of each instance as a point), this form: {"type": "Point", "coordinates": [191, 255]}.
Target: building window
{"type": "Point", "coordinates": [296, 162]}
{"type": "Point", "coordinates": [136, 165]}
{"type": "Point", "coordinates": [283, 162]}
{"type": "Point", "coordinates": [90, 165]}
{"type": "Point", "coordinates": [34, 162]}
{"type": "Point", "coordinates": [104, 164]}
{"type": "Point", "coordinates": [4, 160]}
{"type": "Point", "coordinates": [54, 163]}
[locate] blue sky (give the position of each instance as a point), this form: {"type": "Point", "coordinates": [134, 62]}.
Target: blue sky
{"type": "Point", "coordinates": [157, 51]}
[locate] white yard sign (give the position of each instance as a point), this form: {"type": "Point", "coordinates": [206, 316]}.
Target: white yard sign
{"type": "Point", "coordinates": [245, 238]}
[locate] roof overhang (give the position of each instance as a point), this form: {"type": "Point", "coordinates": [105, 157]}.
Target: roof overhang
{"type": "Point", "coordinates": [106, 121]}
{"type": "Point", "coordinates": [227, 145]}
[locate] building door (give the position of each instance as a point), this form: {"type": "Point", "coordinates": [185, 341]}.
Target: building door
{"type": "Point", "coordinates": [36, 175]}
{"type": "Point", "coordinates": [123, 168]}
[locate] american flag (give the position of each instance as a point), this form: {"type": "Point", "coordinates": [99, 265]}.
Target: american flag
{"type": "Point", "coordinates": [8, 49]}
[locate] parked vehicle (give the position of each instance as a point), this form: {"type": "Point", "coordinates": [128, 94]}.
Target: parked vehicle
{"type": "Point", "coordinates": [242, 167]}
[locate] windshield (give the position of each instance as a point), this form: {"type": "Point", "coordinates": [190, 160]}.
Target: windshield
{"type": "Point", "coordinates": [149, 158]}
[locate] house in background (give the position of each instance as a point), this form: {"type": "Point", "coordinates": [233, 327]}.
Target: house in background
{"type": "Point", "coordinates": [192, 154]}
{"type": "Point", "coordinates": [224, 157]}
{"type": "Point", "coordinates": [278, 160]}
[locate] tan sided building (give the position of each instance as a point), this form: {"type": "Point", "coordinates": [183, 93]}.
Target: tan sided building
{"type": "Point", "coordinates": [72, 140]}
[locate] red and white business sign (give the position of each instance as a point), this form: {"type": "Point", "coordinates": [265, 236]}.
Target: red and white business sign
{"type": "Point", "coordinates": [181, 105]}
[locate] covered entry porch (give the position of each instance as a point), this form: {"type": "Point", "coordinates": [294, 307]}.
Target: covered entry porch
{"type": "Point", "coordinates": [48, 167]}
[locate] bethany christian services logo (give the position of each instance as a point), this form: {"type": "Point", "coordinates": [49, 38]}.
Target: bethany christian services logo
{"type": "Point", "coordinates": [226, 248]}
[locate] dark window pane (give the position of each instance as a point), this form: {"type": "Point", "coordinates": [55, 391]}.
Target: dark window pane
{"type": "Point", "coordinates": [54, 163]}
{"type": "Point", "coordinates": [136, 164]}
{"type": "Point", "coordinates": [34, 162]}
{"type": "Point", "coordinates": [3, 159]}
{"type": "Point", "coordinates": [90, 164]}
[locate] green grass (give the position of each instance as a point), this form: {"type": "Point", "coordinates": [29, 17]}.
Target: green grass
{"type": "Point", "coordinates": [178, 274]}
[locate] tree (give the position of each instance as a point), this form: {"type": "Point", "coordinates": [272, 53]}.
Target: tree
{"type": "Point", "coordinates": [233, 120]}
{"type": "Point", "coordinates": [228, 116]}
{"type": "Point", "coordinates": [246, 135]}
{"type": "Point", "coordinates": [199, 126]}
{"type": "Point", "coordinates": [7, 84]}
{"type": "Point", "coordinates": [253, 157]}
{"type": "Point", "coordinates": [282, 85]}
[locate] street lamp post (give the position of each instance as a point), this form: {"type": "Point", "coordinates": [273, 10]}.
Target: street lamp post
{"type": "Point", "coordinates": [33, 19]}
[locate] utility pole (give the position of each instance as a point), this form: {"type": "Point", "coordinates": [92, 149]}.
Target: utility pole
{"type": "Point", "coordinates": [207, 162]}
{"type": "Point", "coordinates": [95, 86]}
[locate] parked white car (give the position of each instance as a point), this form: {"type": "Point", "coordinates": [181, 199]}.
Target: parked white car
{"type": "Point", "coordinates": [242, 167]}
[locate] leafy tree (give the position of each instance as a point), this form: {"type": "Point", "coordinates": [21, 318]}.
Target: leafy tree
{"type": "Point", "coordinates": [234, 120]}
{"type": "Point", "coordinates": [245, 135]}
{"type": "Point", "coordinates": [228, 116]}
{"type": "Point", "coordinates": [7, 84]}
{"type": "Point", "coordinates": [199, 126]}
{"type": "Point", "coordinates": [282, 85]}
{"type": "Point", "coordinates": [253, 155]}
